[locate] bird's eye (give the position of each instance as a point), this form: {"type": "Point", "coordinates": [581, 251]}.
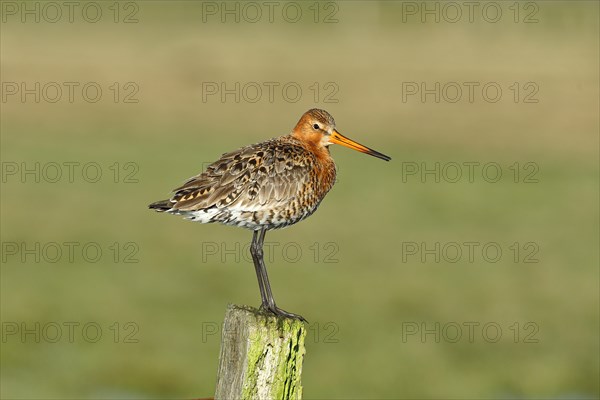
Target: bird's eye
{"type": "Point", "coordinates": [316, 126]}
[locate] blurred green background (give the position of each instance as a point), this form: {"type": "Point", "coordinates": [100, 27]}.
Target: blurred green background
{"type": "Point", "coordinates": [354, 281]}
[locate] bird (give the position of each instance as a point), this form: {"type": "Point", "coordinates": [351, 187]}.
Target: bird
{"type": "Point", "coordinates": [266, 186]}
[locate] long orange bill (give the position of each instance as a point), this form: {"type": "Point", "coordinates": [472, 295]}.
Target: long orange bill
{"type": "Point", "coordinates": [338, 138]}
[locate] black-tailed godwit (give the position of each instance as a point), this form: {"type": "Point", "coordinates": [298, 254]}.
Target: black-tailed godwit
{"type": "Point", "coordinates": [266, 186]}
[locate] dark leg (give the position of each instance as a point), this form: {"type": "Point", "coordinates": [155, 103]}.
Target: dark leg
{"type": "Point", "coordinates": [254, 252]}
{"type": "Point", "coordinates": [268, 302]}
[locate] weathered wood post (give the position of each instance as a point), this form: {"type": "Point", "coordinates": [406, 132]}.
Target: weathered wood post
{"type": "Point", "coordinates": [261, 356]}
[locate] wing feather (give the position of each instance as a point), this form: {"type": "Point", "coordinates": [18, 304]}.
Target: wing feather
{"type": "Point", "coordinates": [253, 178]}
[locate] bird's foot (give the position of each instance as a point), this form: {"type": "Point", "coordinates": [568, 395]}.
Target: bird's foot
{"type": "Point", "coordinates": [282, 313]}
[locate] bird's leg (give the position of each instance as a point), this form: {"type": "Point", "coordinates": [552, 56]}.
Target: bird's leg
{"type": "Point", "coordinates": [270, 300]}
{"type": "Point", "coordinates": [255, 250]}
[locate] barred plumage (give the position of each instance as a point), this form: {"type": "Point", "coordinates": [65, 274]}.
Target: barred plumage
{"type": "Point", "coordinates": [266, 186]}
{"type": "Point", "coordinates": [270, 184]}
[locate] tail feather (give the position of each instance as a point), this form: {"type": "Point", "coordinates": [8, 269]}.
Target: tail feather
{"type": "Point", "coordinates": [160, 206]}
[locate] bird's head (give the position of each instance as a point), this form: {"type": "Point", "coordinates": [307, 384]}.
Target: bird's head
{"type": "Point", "coordinates": [317, 127]}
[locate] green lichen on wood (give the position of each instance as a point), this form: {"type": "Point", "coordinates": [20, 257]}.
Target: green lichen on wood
{"type": "Point", "coordinates": [275, 375]}
{"type": "Point", "coordinates": [269, 354]}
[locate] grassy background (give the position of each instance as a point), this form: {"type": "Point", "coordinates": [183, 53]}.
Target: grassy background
{"type": "Point", "coordinates": [359, 306]}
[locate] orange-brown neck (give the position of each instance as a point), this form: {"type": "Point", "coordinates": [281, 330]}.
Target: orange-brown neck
{"type": "Point", "coordinates": [313, 140]}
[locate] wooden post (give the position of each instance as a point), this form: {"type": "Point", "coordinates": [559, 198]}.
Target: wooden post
{"type": "Point", "coordinates": [261, 356]}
